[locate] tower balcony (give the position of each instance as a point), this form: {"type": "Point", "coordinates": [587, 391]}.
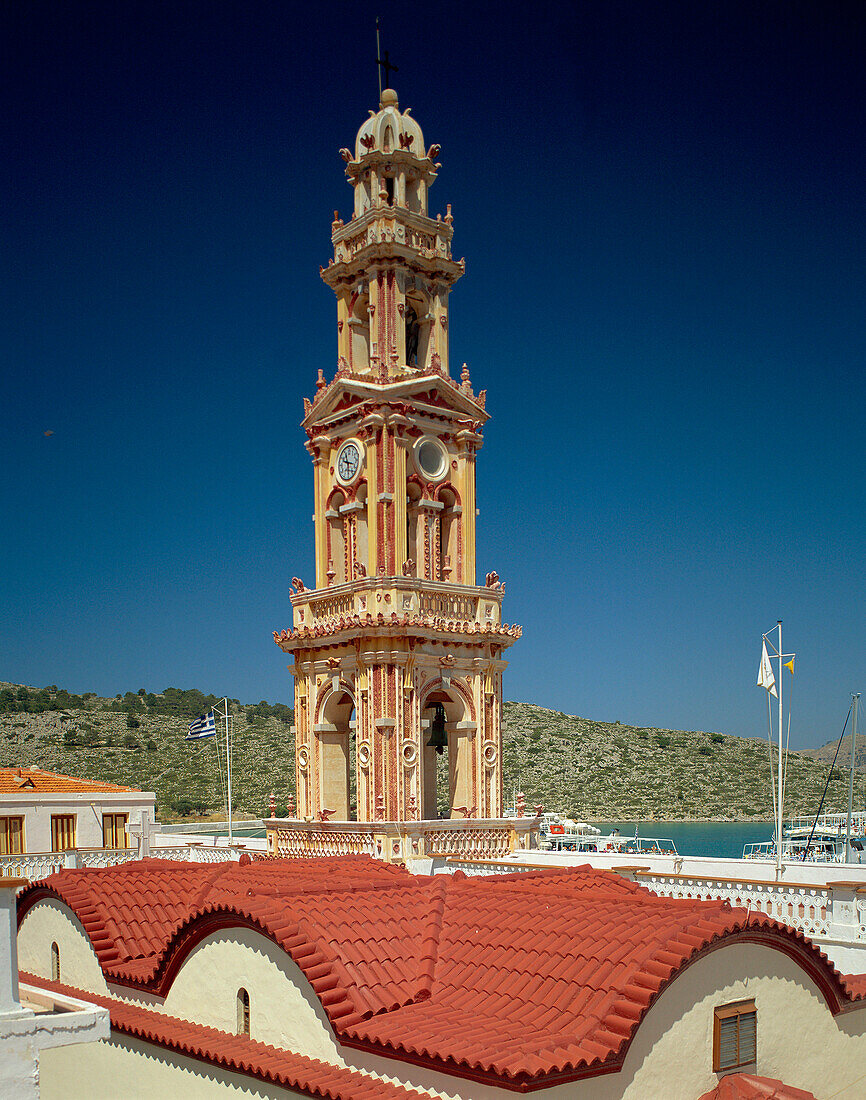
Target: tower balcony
{"type": "Point", "coordinates": [404, 595]}
{"type": "Point", "coordinates": [435, 608]}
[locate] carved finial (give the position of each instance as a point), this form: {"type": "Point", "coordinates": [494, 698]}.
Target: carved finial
{"type": "Point", "coordinates": [434, 152]}
{"type": "Point", "coordinates": [346, 155]}
{"type": "Point", "coordinates": [320, 381]}
{"type": "Point", "coordinates": [521, 804]}
{"type": "Point", "coordinates": [436, 361]}
{"type": "Point", "coordinates": [360, 569]}
{"type": "Point", "coordinates": [482, 398]}
{"type": "Point", "coordinates": [409, 567]}
{"type": "Point", "coordinates": [448, 218]}
{"type": "Point", "coordinates": [325, 815]}
{"type": "Point", "coordinates": [272, 805]}
{"type": "Point", "coordinates": [298, 585]}
{"type": "Point", "coordinates": [406, 139]}
{"type": "Point", "coordinates": [290, 806]}
{"type": "Point", "coordinates": [331, 573]}
{"type": "Point", "coordinates": [308, 406]}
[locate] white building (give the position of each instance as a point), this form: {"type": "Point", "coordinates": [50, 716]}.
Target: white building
{"type": "Point", "coordinates": [43, 811]}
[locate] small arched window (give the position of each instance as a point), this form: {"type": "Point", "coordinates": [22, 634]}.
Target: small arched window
{"type": "Point", "coordinates": [55, 963]}
{"type": "Point", "coordinates": [243, 1013]}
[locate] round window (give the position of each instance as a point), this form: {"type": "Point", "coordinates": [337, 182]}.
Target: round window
{"type": "Point", "coordinates": [430, 458]}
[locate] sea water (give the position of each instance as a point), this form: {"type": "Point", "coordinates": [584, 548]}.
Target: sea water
{"type": "Point", "coordinates": [696, 838]}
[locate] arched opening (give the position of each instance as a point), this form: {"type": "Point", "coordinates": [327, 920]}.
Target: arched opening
{"type": "Point", "coordinates": [417, 319]}
{"type": "Point", "coordinates": [338, 764]}
{"type": "Point", "coordinates": [361, 532]}
{"type": "Point", "coordinates": [388, 140]}
{"type": "Point", "coordinates": [336, 537]}
{"type": "Point", "coordinates": [359, 324]}
{"type": "Point", "coordinates": [414, 548]}
{"type": "Point", "coordinates": [413, 195]}
{"type": "Point", "coordinates": [446, 777]}
{"type": "Point", "coordinates": [449, 527]}
{"type": "Point", "coordinates": [55, 963]}
{"type": "Point", "coordinates": [389, 189]}
{"type": "Point", "coordinates": [243, 1013]}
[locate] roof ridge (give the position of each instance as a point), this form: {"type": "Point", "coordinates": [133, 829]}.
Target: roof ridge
{"type": "Point", "coordinates": [428, 954]}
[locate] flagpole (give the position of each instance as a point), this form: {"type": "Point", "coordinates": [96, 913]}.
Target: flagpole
{"type": "Point", "coordinates": [779, 768]}
{"type": "Point", "coordinates": [228, 768]}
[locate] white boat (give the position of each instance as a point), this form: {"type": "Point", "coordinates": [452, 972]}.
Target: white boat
{"type": "Point", "coordinates": [560, 833]}
{"type": "Point", "coordinates": [817, 840]}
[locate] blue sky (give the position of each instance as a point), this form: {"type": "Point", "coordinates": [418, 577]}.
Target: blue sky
{"type": "Point", "coordinates": [662, 211]}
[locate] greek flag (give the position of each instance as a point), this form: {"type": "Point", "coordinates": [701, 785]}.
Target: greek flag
{"type": "Point", "coordinates": [204, 726]}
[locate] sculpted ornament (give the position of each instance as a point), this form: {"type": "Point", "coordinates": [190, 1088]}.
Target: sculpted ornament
{"type": "Point", "coordinates": [409, 567]}
{"type": "Point", "coordinates": [298, 585]}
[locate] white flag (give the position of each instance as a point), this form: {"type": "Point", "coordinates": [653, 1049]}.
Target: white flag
{"type": "Point", "coordinates": [766, 679]}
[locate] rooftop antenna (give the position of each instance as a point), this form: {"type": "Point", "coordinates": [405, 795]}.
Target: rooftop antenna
{"type": "Point", "coordinates": [386, 64]}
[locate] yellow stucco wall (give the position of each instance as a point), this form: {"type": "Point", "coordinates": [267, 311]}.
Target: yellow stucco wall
{"type": "Point", "coordinates": [123, 1068]}
{"type": "Point", "coordinates": [48, 922]}
{"type": "Point", "coordinates": [284, 1011]}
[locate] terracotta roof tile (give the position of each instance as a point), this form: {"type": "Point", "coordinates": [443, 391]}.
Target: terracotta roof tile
{"type": "Point", "coordinates": [30, 781]}
{"type": "Point", "coordinates": [515, 977]}
{"type": "Point", "coordinates": [745, 1086]}
{"type": "Point", "coordinates": [308, 1076]}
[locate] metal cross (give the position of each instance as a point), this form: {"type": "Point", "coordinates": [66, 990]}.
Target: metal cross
{"type": "Point", "coordinates": [388, 67]}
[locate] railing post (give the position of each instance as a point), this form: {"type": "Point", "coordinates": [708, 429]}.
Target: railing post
{"type": "Point", "coordinates": [844, 918]}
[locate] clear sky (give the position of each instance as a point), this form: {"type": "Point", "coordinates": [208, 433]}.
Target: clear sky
{"type": "Point", "coordinates": [661, 206]}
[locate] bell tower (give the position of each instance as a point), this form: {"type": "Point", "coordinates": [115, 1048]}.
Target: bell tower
{"type": "Point", "coordinates": [397, 652]}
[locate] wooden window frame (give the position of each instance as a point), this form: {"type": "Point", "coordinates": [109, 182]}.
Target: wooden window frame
{"type": "Point", "coordinates": [121, 832]}
{"type": "Point", "coordinates": [74, 831]}
{"type": "Point", "coordinates": [726, 1012]}
{"type": "Point", "coordinates": [5, 822]}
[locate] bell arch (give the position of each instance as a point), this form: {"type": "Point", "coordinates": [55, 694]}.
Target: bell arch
{"type": "Point", "coordinates": [450, 786]}
{"type": "Point", "coordinates": [336, 756]}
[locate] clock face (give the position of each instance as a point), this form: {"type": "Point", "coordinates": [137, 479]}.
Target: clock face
{"type": "Point", "coordinates": [348, 462]}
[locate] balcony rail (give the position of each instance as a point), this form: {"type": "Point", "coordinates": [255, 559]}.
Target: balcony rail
{"type": "Point", "coordinates": [401, 595]}
{"type": "Point", "coordinates": [399, 841]}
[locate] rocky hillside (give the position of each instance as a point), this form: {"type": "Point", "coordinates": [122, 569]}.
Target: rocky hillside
{"type": "Point", "coordinates": [598, 769]}
{"type": "Point", "coordinates": [589, 769]}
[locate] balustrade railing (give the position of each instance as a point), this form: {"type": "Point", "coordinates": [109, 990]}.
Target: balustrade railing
{"type": "Point", "coordinates": [331, 606]}
{"type": "Point", "coordinates": [804, 907]}
{"type": "Point", "coordinates": [39, 865]}
{"type": "Point", "coordinates": [462, 608]}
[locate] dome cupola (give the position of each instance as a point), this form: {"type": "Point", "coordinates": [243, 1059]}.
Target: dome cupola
{"type": "Point", "coordinates": [388, 130]}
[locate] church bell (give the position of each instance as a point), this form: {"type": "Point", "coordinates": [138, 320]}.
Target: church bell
{"type": "Point", "coordinates": [438, 736]}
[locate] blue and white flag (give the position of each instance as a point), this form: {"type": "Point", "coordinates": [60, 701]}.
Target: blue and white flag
{"type": "Point", "coordinates": [205, 726]}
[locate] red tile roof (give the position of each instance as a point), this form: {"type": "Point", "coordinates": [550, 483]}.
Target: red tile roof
{"type": "Point", "coordinates": [37, 781]}
{"type": "Point", "coordinates": [308, 1076]}
{"type": "Point", "coordinates": [521, 979]}
{"type": "Point", "coordinates": [745, 1086]}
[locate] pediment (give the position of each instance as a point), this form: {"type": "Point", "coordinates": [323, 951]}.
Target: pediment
{"type": "Point", "coordinates": [431, 391]}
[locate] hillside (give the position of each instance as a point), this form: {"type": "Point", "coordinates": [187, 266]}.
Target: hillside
{"type": "Point", "coordinates": [590, 769]}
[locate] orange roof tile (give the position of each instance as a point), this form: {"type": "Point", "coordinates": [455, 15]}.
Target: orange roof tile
{"type": "Point", "coordinates": [37, 781]}
{"type": "Point", "coordinates": [523, 978]}
{"type": "Point", "coordinates": [308, 1076]}
{"type": "Point", "coordinates": [745, 1086]}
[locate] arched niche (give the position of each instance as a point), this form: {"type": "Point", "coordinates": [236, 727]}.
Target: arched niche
{"type": "Point", "coordinates": [337, 758]}
{"type": "Point", "coordinates": [361, 534]}
{"type": "Point", "coordinates": [446, 780]}
{"type": "Point", "coordinates": [449, 534]}
{"type": "Point", "coordinates": [414, 524]}
{"type": "Point", "coordinates": [417, 319]}
{"type": "Point", "coordinates": [336, 520]}
{"type": "Point", "coordinates": [359, 326]}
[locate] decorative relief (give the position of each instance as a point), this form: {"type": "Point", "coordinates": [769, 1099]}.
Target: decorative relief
{"type": "Point", "coordinates": [409, 753]}
{"type": "Point", "coordinates": [365, 755]}
{"type": "Point", "coordinates": [303, 755]}
{"type": "Point", "coordinates": [489, 753]}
